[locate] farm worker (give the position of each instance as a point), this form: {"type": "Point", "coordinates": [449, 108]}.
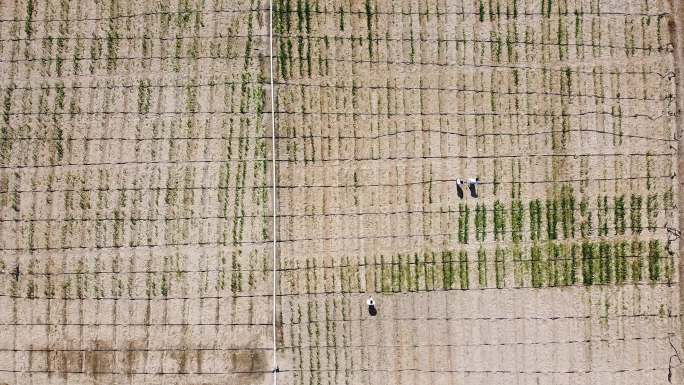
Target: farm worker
{"type": "Point", "coordinates": [459, 189]}
{"type": "Point", "coordinates": [472, 181]}
{"type": "Point", "coordinates": [371, 306]}
{"type": "Point", "coordinates": [472, 184]}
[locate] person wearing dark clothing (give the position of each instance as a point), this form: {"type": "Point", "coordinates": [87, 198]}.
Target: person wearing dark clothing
{"type": "Point", "coordinates": [371, 307]}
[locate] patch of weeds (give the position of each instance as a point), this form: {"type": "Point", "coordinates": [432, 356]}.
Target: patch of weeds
{"type": "Point", "coordinates": [619, 217]}
{"type": "Point", "coordinates": [499, 261]}
{"type": "Point", "coordinates": [554, 264]}
{"type": "Point", "coordinates": [521, 266]}
{"type": "Point", "coordinates": [112, 49]}
{"type": "Point", "coordinates": [282, 59]}
{"type": "Point", "coordinates": [568, 212]}
{"type": "Point", "coordinates": [606, 262]}
{"type": "Point", "coordinates": [429, 271]}
{"type": "Point", "coordinates": [59, 61]}
{"type": "Point", "coordinates": [482, 267]}
{"type": "Point", "coordinates": [463, 269]}
{"type": "Point", "coordinates": [236, 274]}
{"type": "Point", "coordinates": [31, 289]}
{"type": "Point", "coordinates": [16, 196]}
{"type": "Point", "coordinates": [30, 10]}
{"type": "Point", "coordinates": [620, 251]}
{"type": "Point", "coordinates": [549, 5]}
{"type": "Point", "coordinates": [515, 9]}
{"type": "Point", "coordinates": [586, 226]}
{"type": "Point", "coordinates": [637, 261]}
{"type": "Point", "coordinates": [447, 270]}
{"type": "Point", "coordinates": [562, 39]}
{"type": "Point", "coordinates": [191, 98]}
{"type": "Point", "coordinates": [571, 253]}
{"type": "Point", "coordinates": [221, 276]}
{"type": "Point", "coordinates": [649, 166]}
{"type": "Point", "coordinates": [579, 34]}
{"type": "Point", "coordinates": [7, 108]}
{"type": "Point", "coordinates": [535, 219]}
{"type": "Point", "coordinates": [144, 96]}
{"type": "Point", "coordinates": [480, 222]}
{"type": "Point", "coordinates": [517, 213]}
{"type": "Point", "coordinates": [118, 235]}
{"type": "Point", "coordinates": [369, 24]}
{"type": "Point", "coordinates": [308, 57]}
{"type": "Point", "coordinates": [670, 267]}
{"type": "Point", "coordinates": [419, 272]}
{"type": "Point", "coordinates": [496, 53]}
{"type": "Point", "coordinates": [654, 256]}
{"type": "Point", "coordinates": [300, 52]}
{"type": "Point", "coordinates": [652, 210]}
{"type": "Point", "coordinates": [588, 261]}
{"type": "Point", "coordinates": [385, 276]}
{"type": "Point", "coordinates": [300, 15]}
{"type": "Point", "coordinates": [551, 219]}
{"type": "Point", "coordinates": [635, 213]}
{"type": "Point", "coordinates": [463, 221]}
{"type": "Point", "coordinates": [407, 281]}
{"type": "Point", "coordinates": [164, 286]}
{"type": "Point", "coordinates": [668, 200]}
{"type": "Point", "coordinates": [412, 54]}
{"type": "Point", "coordinates": [396, 273]}
{"type": "Point", "coordinates": [499, 221]}
{"type": "Point", "coordinates": [6, 133]}
{"type": "Point", "coordinates": [537, 266]}
{"type": "Point", "coordinates": [602, 204]}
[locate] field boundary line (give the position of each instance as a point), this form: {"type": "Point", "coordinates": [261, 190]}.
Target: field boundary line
{"type": "Point", "coordinates": [677, 29]}
{"type": "Point", "coordinates": [275, 187]}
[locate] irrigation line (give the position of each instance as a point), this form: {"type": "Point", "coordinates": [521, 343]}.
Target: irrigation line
{"type": "Point", "coordinates": [355, 159]}
{"type": "Point", "coordinates": [86, 114]}
{"type": "Point", "coordinates": [254, 243]}
{"type": "Point", "coordinates": [581, 317]}
{"type": "Point", "coordinates": [353, 60]}
{"type": "Point", "coordinates": [409, 211]}
{"type": "Point", "coordinates": [219, 350]}
{"type": "Point", "coordinates": [297, 136]}
{"type": "Point", "coordinates": [357, 13]}
{"type": "Point", "coordinates": [303, 186]}
{"type": "Point", "coordinates": [536, 373]}
{"type": "Point", "coordinates": [325, 294]}
{"type": "Point", "coordinates": [275, 187]}
{"type": "Point", "coordinates": [296, 268]}
{"type": "Point", "coordinates": [337, 38]}
{"type": "Point", "coordinates": [320, 85]}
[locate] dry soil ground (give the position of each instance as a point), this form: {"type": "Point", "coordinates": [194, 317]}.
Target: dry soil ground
{"type": "Point", "coordinates": [135, 192]}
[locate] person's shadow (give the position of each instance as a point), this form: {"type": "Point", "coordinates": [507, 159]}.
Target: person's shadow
{"type": "Point", "coordinates": [459, 191]}
{"type": "Point", "coordinates": [473, 191]}
{"type": "Point", "coordinates": [372, 310]}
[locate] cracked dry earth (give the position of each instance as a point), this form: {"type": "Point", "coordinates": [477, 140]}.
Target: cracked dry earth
{"type": "Point", "coordinates": [136, 192]}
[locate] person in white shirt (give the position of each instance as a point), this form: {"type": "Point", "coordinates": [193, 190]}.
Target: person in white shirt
{"type": "Point", "coordinates": [371, 306]}
{"type": "Point", "coordinates": [472, 185]}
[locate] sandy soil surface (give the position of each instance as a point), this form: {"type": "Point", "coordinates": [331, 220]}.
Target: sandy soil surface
{"type": "Point", "coordinates": [136, 193]}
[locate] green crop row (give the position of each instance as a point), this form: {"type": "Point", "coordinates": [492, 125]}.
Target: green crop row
{"type": "Point", "coordinates": [552, 219]}
{"type": "Point", "coordinates": [548, 264]}
{"type": "Point", "coordinates": [539, 265]}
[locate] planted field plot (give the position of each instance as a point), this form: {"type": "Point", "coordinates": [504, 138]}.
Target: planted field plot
{"type": "Point", "coordinates": [136, 192]}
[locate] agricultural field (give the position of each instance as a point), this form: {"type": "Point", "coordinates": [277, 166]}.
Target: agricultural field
{"type": "Point", "coordinates": [136, 192]}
